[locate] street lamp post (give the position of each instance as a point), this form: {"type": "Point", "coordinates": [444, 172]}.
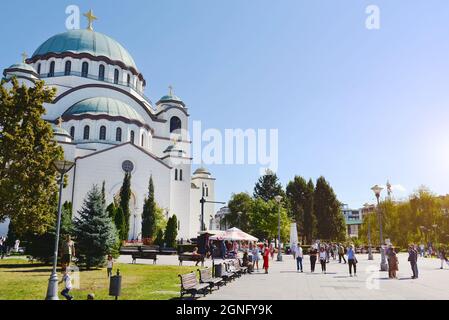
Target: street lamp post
{"type": "Point", "coordinates": [62, 166]}
{"type": "Point", "coordinates": [370, 251]}
{"type": "Point", "coordinates": [383, 263]}
{"type": "Point", "coordinates": [278, 200]}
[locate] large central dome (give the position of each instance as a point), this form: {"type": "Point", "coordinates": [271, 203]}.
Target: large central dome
{"type": "Point", "coordinates": [86, 41]}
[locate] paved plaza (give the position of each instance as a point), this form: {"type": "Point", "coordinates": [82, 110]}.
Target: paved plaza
{"type": "Point", "coordinates": [284, 283]}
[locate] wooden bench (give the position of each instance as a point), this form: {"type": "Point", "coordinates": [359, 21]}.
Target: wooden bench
{"type": "Point", "coordinates": [244, 269]}
{"type": "Point", "coordinates": [206, 277]}
{"type": "Point", "coordinates": [191, 257]}
{"type": "Point", "coordinates": [189, 284]}
{"type": "Point", "coordinates": [231, 273]}
{"type": "Point", "coordinates": [151, 255]}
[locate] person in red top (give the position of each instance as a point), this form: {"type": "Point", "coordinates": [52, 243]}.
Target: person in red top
{"type": "Point", "coordinates": [266, 257]}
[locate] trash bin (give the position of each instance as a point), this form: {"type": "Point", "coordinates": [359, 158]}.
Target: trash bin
{"type": "Point", "coordinates": [115, 285]}
{"type": "Point", "coordinates": [218, 270]}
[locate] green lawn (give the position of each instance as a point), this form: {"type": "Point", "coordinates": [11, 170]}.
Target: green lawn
{"type": "Point", "coordinates": [21, 280]}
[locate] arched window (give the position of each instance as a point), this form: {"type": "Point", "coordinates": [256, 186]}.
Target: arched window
{"type": "Point", "coordinates": [118, 134]}
{"type": "Point", "coordinates": [132, 137]}
{"type": "Point", "coordinates": [175, 124]}
{"type": "Point", "coordinates": [101, 73]}
{"type": "Point", "coordinates": [128, 80]}
{"type": "Point", "coordinates": [39, 68]}
{"type": "Point", "coordinates": [102, 133]}
{"type": "Point", "coordinates": [180, 175]}
{"type": "Point", "coordinates": [86, 133]}
{"type": "Point", "coordinates": [51, 72]}
{"type": "Point", "coordinates": [176, 174]}
{"type": "Point", "coordinates": [68, 68]}
{"type": "Point", "coordinates": [72, 132]}
{"type": "Point", "coordinates": [85, 70]}
{"type": "Point", "coordinates": [116, 75]}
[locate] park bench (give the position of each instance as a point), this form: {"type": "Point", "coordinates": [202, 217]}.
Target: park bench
{"type": "Point", "coordinates": [206, 277]}
{"type": "Point", "coordinates": [191, 257]}
{"type": "Point", "coordinates": [150, 255]}
{"type": "Point", "coordinates": [189, 284]}
{"type": "Point", "coordinates": [230, 270]}
{"type": "Point", "coordinates": [243, 268]}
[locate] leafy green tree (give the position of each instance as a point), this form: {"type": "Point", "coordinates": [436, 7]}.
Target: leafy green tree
{"type": "Point", "coordinates": [268, 186]}
{"type": "Point", "coordinates": [119, 222]}
{"type": "Point", "coordinates": [96, 235]}
{"type": "Point", "coordinates": [125, 197]}
{"type": "Point", "coordinates": [28, 184]}
{"type": "Point", "coordinates": [159, 238]}
{"type": "Point", "coordinates": [240, 202]}
{"type": "Point", "coordinates": [149, 223]}
{"type": "Point", "coordinates": [171, 232]}
{"type": "Point", "coordinates": [264, 220]}
{"type": "Point", "coordinates": [41, 246]}
{"type": "Point", "coordinates": [330, 220]}
{"type": "Point", "coordinates": [103, 193]}
{"type": "Point", "coordinates": [296, 197]}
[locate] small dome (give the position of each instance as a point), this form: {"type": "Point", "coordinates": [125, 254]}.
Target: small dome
{"type": "Point", "coordinates": [104, 106]}
{"type": "Point", "coordinates": [23, 66]}
{"type": "Point", "coordinates": [201, 170]}
{"type": "Point", "coordinates": [170, 97]}
{"type": "Point", "coordinates": [86, 41]}
{"type": "Point", "coordinates": [60, 131]}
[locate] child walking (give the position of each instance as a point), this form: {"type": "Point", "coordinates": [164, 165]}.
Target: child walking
{"type": "Point", "coordinates": [67, 284]}
{"type": "Point", "coordinates": [110, 265]}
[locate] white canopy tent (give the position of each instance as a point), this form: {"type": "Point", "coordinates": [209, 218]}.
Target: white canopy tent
{"type": "Point", "coordinates": [233, 234]}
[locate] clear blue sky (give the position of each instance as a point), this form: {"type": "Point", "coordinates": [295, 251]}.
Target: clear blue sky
{"type": "Point", "coordinates": [354, 105]}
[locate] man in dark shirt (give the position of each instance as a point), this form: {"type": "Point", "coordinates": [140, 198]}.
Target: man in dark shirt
{"type": "Point", "coordinates": [413, 259]}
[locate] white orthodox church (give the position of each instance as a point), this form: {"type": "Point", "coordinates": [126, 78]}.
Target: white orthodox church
{"type": "Point", "coordinates": [107, 127]}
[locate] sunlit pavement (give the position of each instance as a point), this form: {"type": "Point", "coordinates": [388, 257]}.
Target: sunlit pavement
{"type": "Point", "coordinates": [284, 283]}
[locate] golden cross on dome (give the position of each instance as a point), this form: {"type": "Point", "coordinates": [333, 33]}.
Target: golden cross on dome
{"type": "Point", "coordinates": [59, 122]}
{"type": "Point", "coordinates": [24, 57]}
{"type": "Point", "coordinates": [90, 18]}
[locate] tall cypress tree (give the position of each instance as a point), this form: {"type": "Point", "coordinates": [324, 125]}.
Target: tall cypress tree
{"type": "Point", "coordinates": [309, 217]}
{"type": "Point", "coordinates": [268, 186]}
{"type": "Point", "coordinates": [96, 235]}
{"type": "Point", "coordinates": [295, 192]}
{"type": "Point", "coordinates": [149, 223]}
{"type": "Point", "coordinates": [330, 220]}
{"type": "Point", "coordinates": [103, 193]}
{"type": "Point", "coordinates": [111, 209]}
{"type": "Point", "coordinates": [125, 197]}
{"type": "Point", "coordinates": [119, 221]}
{"type": "Point", "coordinates": [171, 232]}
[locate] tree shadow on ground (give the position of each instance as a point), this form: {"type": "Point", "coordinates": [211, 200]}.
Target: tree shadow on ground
{"type": "Point", "coordinates": [22, 266]}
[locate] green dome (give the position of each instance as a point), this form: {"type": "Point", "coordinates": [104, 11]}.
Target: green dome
{"type": "Point", "coordinates": [86, 41]}
{"type": "Point", "coordinates": [104, 106]}
{"type": "Point", "coordinates": [23, 66]}
{"type": "Point", "coordinates": [60, 131]}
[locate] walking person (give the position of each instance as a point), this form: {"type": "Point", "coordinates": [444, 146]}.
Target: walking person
{"type": "Point", "coordinates": [68, 251]}
{"type": "Point", "coordinates": [323, 260]}
{"type": "Point", "coordinates": [272, 251]}
{"type": "Point", "coordinates": [352, 260]}
{"type": "Point", "coordinates": [256, 257]}
{"type": "Point", "coordinates": [413, 259]}
{"type": "Point", "coordinates": [110, 265]}
{"type": "Point", "coordinates": [266, 258]}
{"type": "Point", "coordinates": [313, 257]}
{"type": "Point", "coordinates": [67, 284]}
{"type": "Point", "coordinates": [393, 262]}
{"type": "Point", "coordinates": [443, 257]}
{"type": "Point", "coordinates": [298, 254]}
{"type": "Point", "coordinates": [341, 253]}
